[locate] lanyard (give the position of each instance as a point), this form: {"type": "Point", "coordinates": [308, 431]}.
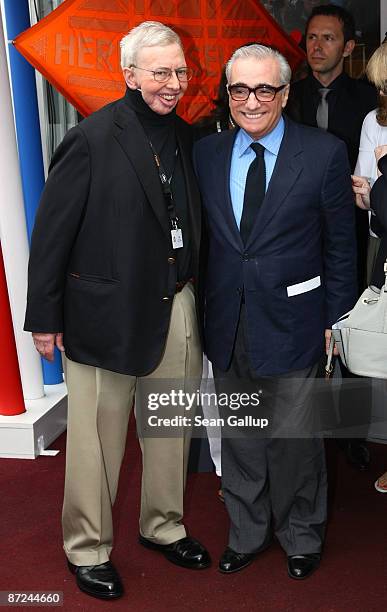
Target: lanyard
{"type": "Point", "coordinates": [166, 185]}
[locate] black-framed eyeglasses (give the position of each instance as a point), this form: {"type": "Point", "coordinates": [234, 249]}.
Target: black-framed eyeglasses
{"type": "Point", "coordinates": [164, 74]}
{"type": "Point", "coordinates": [263, 93]}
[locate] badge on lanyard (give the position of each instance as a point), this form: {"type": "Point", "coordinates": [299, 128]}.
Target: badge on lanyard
{"type": "Point", "coordinates": [176, 232]}
{"type": "Point", "coordinates": [176, 235]}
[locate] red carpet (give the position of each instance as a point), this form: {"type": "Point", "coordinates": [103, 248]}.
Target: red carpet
{"type": "Point", "coordinates": [352, 576]}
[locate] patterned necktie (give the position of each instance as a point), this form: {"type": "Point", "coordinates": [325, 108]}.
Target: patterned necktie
{"type": "Point", "coordinates": [323, 109]}
{"type": "Point", "coordinates": [254, 191]}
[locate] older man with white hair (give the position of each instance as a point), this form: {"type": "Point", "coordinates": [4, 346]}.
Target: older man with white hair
{"type": "Point", "coordinates": [281, 270]}
{"type": "Point", "coordinates": [113, 258]}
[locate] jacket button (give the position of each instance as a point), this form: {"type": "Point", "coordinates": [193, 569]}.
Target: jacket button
{"type": "Point", "coordinates": [171, 260]}
{"type": "Point", "coordinates": [165, 299]}
{"type": "Point", "coordinates": [246, 257]}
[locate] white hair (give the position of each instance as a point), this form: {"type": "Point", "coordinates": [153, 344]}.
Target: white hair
{"type": "Point", "coordinates": [147, 34]}
{"type": "Point", "coordinates": [261, 52]}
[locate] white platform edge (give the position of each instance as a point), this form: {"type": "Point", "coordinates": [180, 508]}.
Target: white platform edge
{"type": "Point", "coordinates": [25, 435]}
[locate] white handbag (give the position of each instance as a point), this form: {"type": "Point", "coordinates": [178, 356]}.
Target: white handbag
{"type": "Point", "coordinates": [361, 334]}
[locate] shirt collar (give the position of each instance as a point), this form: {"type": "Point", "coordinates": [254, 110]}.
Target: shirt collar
{"type": "Point", "coordinates": [336, 84]}
{"type": "Point", "coordinates": [271, 141]}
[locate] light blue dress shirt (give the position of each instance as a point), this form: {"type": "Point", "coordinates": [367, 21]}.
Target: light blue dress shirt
{"type": "Point", "coordinates": [243, 155]}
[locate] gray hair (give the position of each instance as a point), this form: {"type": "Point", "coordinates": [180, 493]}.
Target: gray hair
{"type": "Point", "coordinates": [147, 34]}
{"type": "Point", "coordinates": [261, 52]}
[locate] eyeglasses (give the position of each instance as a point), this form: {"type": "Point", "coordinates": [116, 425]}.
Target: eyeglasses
{"type": "Point", "coordinates": [164, 74]}
{"type": "Point", "coordinates": [263, 93]}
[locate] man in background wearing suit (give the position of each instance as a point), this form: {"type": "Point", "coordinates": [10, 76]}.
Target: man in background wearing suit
{"type": "Point", "coordinates": [114, 250]}
{"type": "Point", "coordinates": [330, 99]}
{"type": "Point", "coordinates": [281, 270]}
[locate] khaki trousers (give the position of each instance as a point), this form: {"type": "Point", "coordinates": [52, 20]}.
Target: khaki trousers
{"type": "Point", "coordinates": [99, 405]}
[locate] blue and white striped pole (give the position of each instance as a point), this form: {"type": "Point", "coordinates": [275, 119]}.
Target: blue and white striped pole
{"type": "Point", "coordinates": [17, 19]}
{"type": "Point", "coordinates": [14, 242]}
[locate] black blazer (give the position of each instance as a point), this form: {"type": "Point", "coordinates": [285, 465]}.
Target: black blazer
{"type": "Point", "coordinates": [101, 265]}
{"type": "Point", "coordinates": [379, 223]}
{"type": "Point", "coordinates": [355, 98]}
{"type": "Point", "coordinates": [298, 268]}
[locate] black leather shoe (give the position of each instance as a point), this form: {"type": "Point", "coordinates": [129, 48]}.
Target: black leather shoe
{"type": "Point", "coordinates": [100, 581]}
{"type": "Point", "coordinates": [186, 552]}
{"type": "Point", "coordinates": [232, 561]}
{"type": "Point", "coordinates": [358, 454]}
{"type": "Point", "coordinates": [302, 566]}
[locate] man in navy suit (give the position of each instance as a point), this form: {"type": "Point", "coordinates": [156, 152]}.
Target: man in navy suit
{"type": "Point", "coordinates": [278, 276]}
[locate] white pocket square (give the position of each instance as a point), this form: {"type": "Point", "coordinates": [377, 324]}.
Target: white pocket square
{"type": "Point", "coordinates": [307, 285]}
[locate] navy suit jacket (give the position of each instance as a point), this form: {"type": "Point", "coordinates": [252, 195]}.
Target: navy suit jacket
{"type": "Point", "coordinates": [303, 232]}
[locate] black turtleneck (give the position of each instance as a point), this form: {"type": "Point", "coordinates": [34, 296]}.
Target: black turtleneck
{"type": "Point", "coordinates": [159, 129]}
{"type": "Point", "coordinates": [161, 132]}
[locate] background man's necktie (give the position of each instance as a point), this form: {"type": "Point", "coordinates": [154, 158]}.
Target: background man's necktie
{"type": "Point", "coordinates": [322, 113]}
{"type": "Point", "coordinates": [254, 191]}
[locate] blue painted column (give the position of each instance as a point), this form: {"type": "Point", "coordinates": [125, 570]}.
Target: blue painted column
{"type": "Point", "coordinates": [25, 101]}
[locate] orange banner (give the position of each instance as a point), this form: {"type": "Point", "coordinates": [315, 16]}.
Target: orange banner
{"type": "Point", "coordinates": [76, 47]}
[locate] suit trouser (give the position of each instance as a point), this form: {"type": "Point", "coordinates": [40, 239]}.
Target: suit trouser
{"type": "Point", "coordinates": [281, 478]}
{"type": "Point", "coordinates": [99, 405]}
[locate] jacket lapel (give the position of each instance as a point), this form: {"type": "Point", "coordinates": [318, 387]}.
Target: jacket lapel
{"type": "Point", "coordinates": [130, 135]}
{"type": "Point", "coordinates": [184, 142]}
{"type": "Point", "coordinates": [287, 169]}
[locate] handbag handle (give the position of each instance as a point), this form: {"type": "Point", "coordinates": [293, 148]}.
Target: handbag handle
{"type": "Point", "coordinates": [329, 364]}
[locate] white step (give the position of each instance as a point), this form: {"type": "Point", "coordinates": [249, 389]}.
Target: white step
{"type": "Point", "coordinates": [25, 436]}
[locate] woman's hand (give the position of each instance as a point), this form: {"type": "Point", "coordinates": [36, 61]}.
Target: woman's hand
{"type": "Point", "coordinates": [361, 188]}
